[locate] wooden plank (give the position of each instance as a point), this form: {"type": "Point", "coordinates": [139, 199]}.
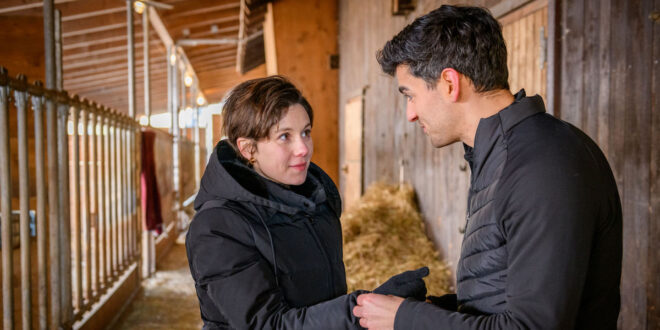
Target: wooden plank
{"type": "Point", "coordinates": [636, 165]}
{"type": "Point", "coordinates": [306, 42]}
{"type": "Point", "coordinates": [11, 6]}
{"type": "Point", "coordinates": [589, 113]}
{"type": "Point", "coordinates": [269, 42]}
{"type": "Point", "coordinates": [352, 166]}
{"type": "Point", "coordinates": [572, 55]}
{"type": "Point", "coordinates": [604, 79]}
{"type": "Point", "coordinates": [507, 6]}
{"type": "Point", "coordinates": [196, 9]}
{"type": "Point", "coordinates": [554, 20]}
{"type": "Point", "coordinates": [653, 287]}
{"type": "Point", "coordinates": [527, 9]}
{"type": "Point", "coordinates": [543, 79]}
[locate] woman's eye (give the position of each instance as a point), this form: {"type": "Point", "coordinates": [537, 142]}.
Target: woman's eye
{"type": "Point", "coordinates": [307, 132]}
{"type": "Point", "coordinates": [408, 97]}
{"type": "Point", "coordinates": [283, 137]}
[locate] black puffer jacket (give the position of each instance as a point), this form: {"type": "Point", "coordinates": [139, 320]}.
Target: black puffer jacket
{"type": "Point", "coordinates": [264, 256]}
{"type": "Point", "coordinates": [542, 245]}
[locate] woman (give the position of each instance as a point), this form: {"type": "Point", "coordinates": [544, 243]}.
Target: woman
{"type": "Point", "coordinates": [265, 246]}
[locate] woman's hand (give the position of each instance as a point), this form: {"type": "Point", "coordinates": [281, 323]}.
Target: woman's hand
{"type": "Point", "coordinates": [377, 311]}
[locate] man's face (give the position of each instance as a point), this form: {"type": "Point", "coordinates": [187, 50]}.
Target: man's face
{"type": "Point", "coordinates": [431, 108]}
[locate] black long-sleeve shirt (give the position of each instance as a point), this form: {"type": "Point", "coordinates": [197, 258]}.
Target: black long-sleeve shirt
{"type": "Point", "coordinates": [543, 243]}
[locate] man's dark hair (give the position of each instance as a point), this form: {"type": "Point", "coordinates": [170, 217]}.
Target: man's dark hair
{"type": "Point", "coordinates": [253, 107]}
{"type": "Point", "coordinates": [467, 39]}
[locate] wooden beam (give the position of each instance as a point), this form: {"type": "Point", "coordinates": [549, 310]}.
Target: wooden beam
{"type": "Point", "coordinates": [111, 68]}
{"type": "Point", "coordinates": [107, 75]}
{"type": "Point", "coordinates": [191, 11]}
{"type": "Point", "coordinates": [196, 60]}
{"type": "Point", "coordinates": [95, 13]}
{"type": "Point", "coordinates": [201, 14]}
{"type": "Point", "coordinates": [121, 80]}
{"type": "Point", "coordinates": [242, 35]}
{"type": "Point", "coordinates": [105, 59]}
{"type": "Point", "coordinates": [213, 60]}
{"type": "Point", "coordinates": [10, 6]}
{"type": "Point", "coordinates": [69, 45]}
{"type": "Point", "coordinates": [103, 51]}
{"type": "Point", "coordinates": [206, 51]}
{"type": "Point", "coordinates": [269, 42]}
{"type": "Point", "coordinates": [94, 23]}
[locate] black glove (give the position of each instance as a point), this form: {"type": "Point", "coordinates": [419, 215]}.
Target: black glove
{"type": "Point", "coordinates": [447, 301]}
{"type": "Point", "coordinates": [408, 284]}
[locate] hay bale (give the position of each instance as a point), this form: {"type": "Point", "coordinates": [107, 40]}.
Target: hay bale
{"type": "Point", "coordinates": [384, 235]}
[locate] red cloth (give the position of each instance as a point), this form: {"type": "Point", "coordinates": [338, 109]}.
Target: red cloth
{"type": "Point", "coordinates": [151, 213]}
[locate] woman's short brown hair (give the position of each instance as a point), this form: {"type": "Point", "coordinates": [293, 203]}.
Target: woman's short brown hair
{"type": "Point", "coordinates": [253, 107]}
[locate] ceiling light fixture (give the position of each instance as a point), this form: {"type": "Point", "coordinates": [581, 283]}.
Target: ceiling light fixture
{"type": "Point", "coordinates": [139, 7]}
{"type": "Point", "coordinates": [188, 80]}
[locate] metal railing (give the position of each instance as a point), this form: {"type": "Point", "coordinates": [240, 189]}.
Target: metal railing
{"type": "Point", "coordinates": [86, 179]}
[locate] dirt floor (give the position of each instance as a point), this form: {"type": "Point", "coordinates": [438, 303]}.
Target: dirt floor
{"type": "Point", "coordinates": [168, 299]}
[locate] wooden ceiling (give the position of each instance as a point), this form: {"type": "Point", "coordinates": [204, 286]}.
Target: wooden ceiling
{"type": "Point", "coordinates": [94, 46]}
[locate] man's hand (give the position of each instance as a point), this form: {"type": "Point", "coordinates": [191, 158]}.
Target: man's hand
{"type": "Point", "coordinates": [377, 311]}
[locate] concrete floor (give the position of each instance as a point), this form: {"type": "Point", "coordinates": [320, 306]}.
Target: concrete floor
{"type": "Point", "coordinates": [167, 299]}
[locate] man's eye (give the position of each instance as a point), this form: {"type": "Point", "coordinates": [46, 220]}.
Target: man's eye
{"type": "Point", "coordinates": [408, 97]}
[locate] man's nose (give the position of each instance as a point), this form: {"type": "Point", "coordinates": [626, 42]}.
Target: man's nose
{"type": "Point", "coordinates": [410, 114]}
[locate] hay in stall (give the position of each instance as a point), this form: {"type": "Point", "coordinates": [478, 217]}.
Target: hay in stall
{"type": "Point", "coordinates": [384, 235]}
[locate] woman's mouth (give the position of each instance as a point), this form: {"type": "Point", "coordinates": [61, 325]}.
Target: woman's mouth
{"type": "Point", "coordinates": [299, 167]}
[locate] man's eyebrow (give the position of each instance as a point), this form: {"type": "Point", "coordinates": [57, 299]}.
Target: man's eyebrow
{"type": "Point", "coordinates": [403, 89]}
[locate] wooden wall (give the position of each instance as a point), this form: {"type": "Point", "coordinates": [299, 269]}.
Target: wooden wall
{"type": "Point", "coordinates": [392, 145]}
{"type": "Point", "coordinates": [606, 82]}
{"type": "Point", "coordinates": [609, 87]}
{"type": "Point", "coordinates": [305, 37]}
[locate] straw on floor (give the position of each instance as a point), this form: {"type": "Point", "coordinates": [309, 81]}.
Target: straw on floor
{"type": "Point", "coordinates": [384, 235]}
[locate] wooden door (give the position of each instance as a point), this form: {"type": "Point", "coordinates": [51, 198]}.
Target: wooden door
{"type": "Point", "coordinates": [525, 33]}
{"type": "Point", "coordinates": [352, 139]}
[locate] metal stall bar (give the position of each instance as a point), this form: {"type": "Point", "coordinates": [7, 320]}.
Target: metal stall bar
{"type": "Point", "coordinates": [131, 58]}
{"type": "Point", "coordinates": [145, 58]}
{"type": "Point", "coordinates": [94, 207]}
{"type": "Point", "coordinates": [113, 192]}
{"type": "Point", "coordinates": [122, 195]}
{"type": "Point", "coordinates": [87, 251]}
{"type": "Point", "coordinates": [103, 215]}
{"type": "Point", "coordinates": [42, 262]}
{"type": "Point", "coordinates": [75, 206]}
{"type": "Point", "coordinates": [127, 193]}
{"type": "Point", "coordinates": [65, 225]}
{"type": "Point", "coordinates": [135, 179]}
{"type": "Point", "coordinates": [51, 138]}
{"type": "Point", "coordinates": [5, 205]}
{"type": "Point", "coordinates": [20, 99]}
{"type": "Point", "coordinates": [108, 198]}
{"type": "Point", "coordinates": [118, 192]}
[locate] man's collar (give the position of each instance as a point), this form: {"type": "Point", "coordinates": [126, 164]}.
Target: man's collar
{"type": "Point", "coordinates": [521, 108]}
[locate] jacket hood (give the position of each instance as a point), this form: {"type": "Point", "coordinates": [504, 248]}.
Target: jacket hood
{"type": "Point", "coordinates": [227, 178]}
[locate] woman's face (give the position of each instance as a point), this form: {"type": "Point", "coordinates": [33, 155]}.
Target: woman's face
{"type": "Point", "coordinates": [284, 156]}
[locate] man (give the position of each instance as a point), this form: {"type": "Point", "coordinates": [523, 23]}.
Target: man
{"type": "Point", "coordinates": [542, 245]}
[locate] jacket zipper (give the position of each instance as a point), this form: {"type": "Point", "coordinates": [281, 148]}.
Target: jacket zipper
{"type": "Point", "coordinates": [325, 255]}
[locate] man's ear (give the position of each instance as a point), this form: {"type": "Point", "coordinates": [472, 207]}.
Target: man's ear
{"type": "Point", "coordinates": [451, 83]}
{"type": "Point", "coordinates": [245, 146]}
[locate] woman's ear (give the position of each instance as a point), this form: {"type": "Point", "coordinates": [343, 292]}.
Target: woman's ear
{"type": "Point", "coordinates": [246, 147]}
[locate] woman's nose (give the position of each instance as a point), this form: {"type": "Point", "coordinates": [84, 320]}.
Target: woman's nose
{"type": "Point", "coordinates": [301, 148]}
